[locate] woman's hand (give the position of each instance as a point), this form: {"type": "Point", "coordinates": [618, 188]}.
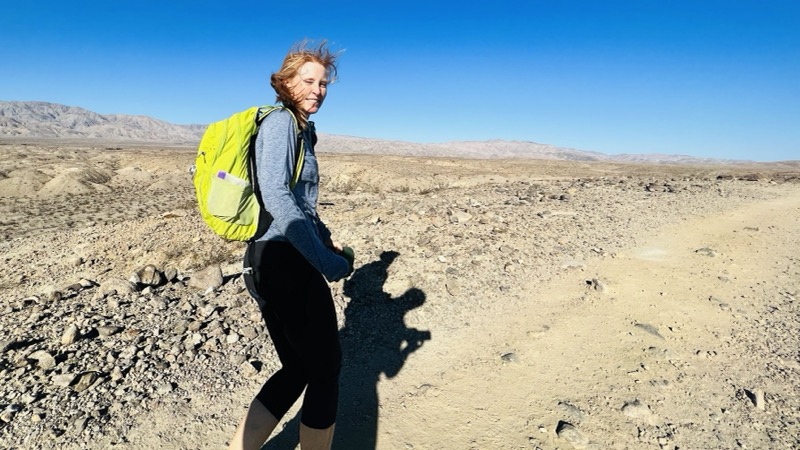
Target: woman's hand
{"type": "Point", "coordinates": [335, 246]}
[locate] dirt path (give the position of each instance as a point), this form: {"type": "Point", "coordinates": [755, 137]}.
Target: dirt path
{"type": "Point", "coordinates": [659, 346]}
{"type": "Point", "coordinates": [663, 352]}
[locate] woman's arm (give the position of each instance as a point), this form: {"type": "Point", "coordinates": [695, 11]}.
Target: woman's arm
{"type": "Point", "coordinates": [275, 161]}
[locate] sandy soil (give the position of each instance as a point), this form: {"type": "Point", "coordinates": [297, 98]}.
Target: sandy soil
{"type": "Point", "coordinates": [496, 305]}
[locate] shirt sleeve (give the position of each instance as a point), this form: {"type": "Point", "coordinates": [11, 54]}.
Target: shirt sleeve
{"type": "Point", "coordinates": [275, 159]}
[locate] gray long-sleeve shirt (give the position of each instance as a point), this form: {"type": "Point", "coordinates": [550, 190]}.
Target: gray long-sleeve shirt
{"type": "Point", "coordinates": [294, 210]}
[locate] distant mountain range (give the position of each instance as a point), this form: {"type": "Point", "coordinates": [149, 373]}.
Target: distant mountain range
{"type": "Point", "coordinates": [51, 120]}
{"type": "Point", "coordinates": [43, 120]}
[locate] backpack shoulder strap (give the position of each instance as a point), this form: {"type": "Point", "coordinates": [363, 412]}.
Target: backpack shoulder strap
{"type": "Point", "coordinates": [265, 219]}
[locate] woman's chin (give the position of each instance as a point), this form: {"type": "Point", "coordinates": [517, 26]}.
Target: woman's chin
{"type": "Point", "coordinates": [312, 108]}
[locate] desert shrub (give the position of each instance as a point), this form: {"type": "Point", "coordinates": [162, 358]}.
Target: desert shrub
{"type": "Point", "coordinates": [439, 186]}
{"type": "Point", "coordinates": [343, 187]}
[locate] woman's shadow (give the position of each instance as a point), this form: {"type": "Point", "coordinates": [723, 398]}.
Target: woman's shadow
{"type": "Point", "coordinates": [375, 341]}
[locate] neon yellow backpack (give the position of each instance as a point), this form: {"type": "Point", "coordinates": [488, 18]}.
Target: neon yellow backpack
{"type": "Point", "coordinates": [224, 175]}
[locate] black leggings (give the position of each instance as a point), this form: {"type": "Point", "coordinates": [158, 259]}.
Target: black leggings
{"type": "Point", "coordinates": [297, 306]}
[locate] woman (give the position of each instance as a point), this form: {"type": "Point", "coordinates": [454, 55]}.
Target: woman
{"type": "Point", "coordinates": [290, 260]}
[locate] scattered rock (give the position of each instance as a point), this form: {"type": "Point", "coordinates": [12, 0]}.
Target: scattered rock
{"type": "Point", "coordinates": [596, 284]}
{"type": "Point", "coordinates": [44, 359]}
{"type": "Point", "coordinates": [63, 380]}
{"type": "Point", "coordinates": [509, 357]}
{"type": "Point", "coordinates": [757, 398]}
{"type": "Point", "coordinates": [108, 330]}
{"type": "Point", "coordinates": [148, 275]}
{"type": "Point", "coordinates": [706, 252]}
{"type": "Point", "coordinates": [639, 411]}
{"type": "Point", "coordinates": [84, 381]}
{"type": "Point", "coordinates": [9, 413]}
{"type": "Point", "coordinates": [114, 286]}
{"type": "Point", "coordinates": [649, 329]}
{"type": "Point", "coordinates": [165, 388]}
{"type": "Point", "coordinates": [573, 412]}
{"type": "Point", "coordinates": [170, 274]}
{"type": "Point", "coordinates": [208, 278]}
{"type": "Point", "coordinates": [250, 369]}
{"type": "Point", "coordinates": [569, 433]}
{"type": "Point", "coordinates": [453, 287]}
{"type": "Point", "coordinates": [70, 334]}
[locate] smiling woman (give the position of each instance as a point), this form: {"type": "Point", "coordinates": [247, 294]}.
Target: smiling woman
{"type": "Point", "coordinates": [301, 84]}
{"type": "Point", "coordinates": [288, 265]}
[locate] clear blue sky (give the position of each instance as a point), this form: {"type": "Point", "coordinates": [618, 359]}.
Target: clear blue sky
{"type": "Point", "coordinates": [704, 78]}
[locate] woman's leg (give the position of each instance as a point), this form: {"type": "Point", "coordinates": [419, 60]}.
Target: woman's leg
{"type": "Point", "coordinates": [322, 356]}
{"type": "Point", "coordinates": [284, 387]}
{"type": "Point", "coordinates": [301, 319]}
{"type": "Point", "coordinates": [314, 439]}
{"type": "Point", "coordinates": [254, 429]}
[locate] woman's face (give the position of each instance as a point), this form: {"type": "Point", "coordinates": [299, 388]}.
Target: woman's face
{"type": "Point", "coordinates": [309, 87]}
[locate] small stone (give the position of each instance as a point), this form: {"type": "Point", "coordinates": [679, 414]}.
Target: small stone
{"type": "Point", "coordinates": [148, 275]}
{"type": "Point", "coordinates": [706, 252]}
{"type": "Point", "coordinates": [85, 381]}
{"type": "Point", "coordinates": [510, 357]}
{"type": "Point", "coordinates": [757, 398]}
{"type": "Point", "coordinates": [453, 287]}
{"type": "Point", "coordinates": [760, 402]}
{"type": "Point", "coordinates": [196, 339]}
{"type": "Point", "coordinates": [639, 411]}
{"type": "Point", "coordinates": [108, 330]}
{"type": "Point", "coordinates": [29, 397]}
{"type": "Point", "coordinates": [70, 334]}
{"type": "Point", "coordinates": [79, 424]}
{"type": "Point", "coordinates": [181, 327]}
{"type": "Point", "coordinates": [63, 380]}
{"type": "Point", "coordinates": [569, 433]}
{"type": "Point", "coordinates": [170, 274]}
{"type": "Point", "coordinates": [116, 286]}
{"type": "Point", "coordinates": [74, 287]}
{"type": "Point", "coordinates": [649, 328]}
{"type": "Point", "coordinates": [130, 334]}
{"type": "Point", "coordinates": [116, 374]}
{"type": "Point", "coordinates": [461, 217]}
{"type": "Point", "coordinates": [249, 369]}
{"type": "Point", "coordinates": [165, 388]}
{"type": "Point", "coordinates": [209, 278]}
{"type": "Point", "coordinates": [596, 284]}
{"type": "Point", "coordinates": [52, 294]}
{"type": "Point", "coordinates": [207, 311]}
{"type": "Point", "coordinates": [249, 332]}
{"type": "Point", "coordinates": [75, 261]}
{"type": "Point", "coordinates": [8, 414]}
{"type": "Point", "coordinates": [45, 360]}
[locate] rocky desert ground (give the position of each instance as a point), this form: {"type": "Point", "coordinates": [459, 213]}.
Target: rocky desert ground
{"type": "Point", "coordinates": [497, 304]}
